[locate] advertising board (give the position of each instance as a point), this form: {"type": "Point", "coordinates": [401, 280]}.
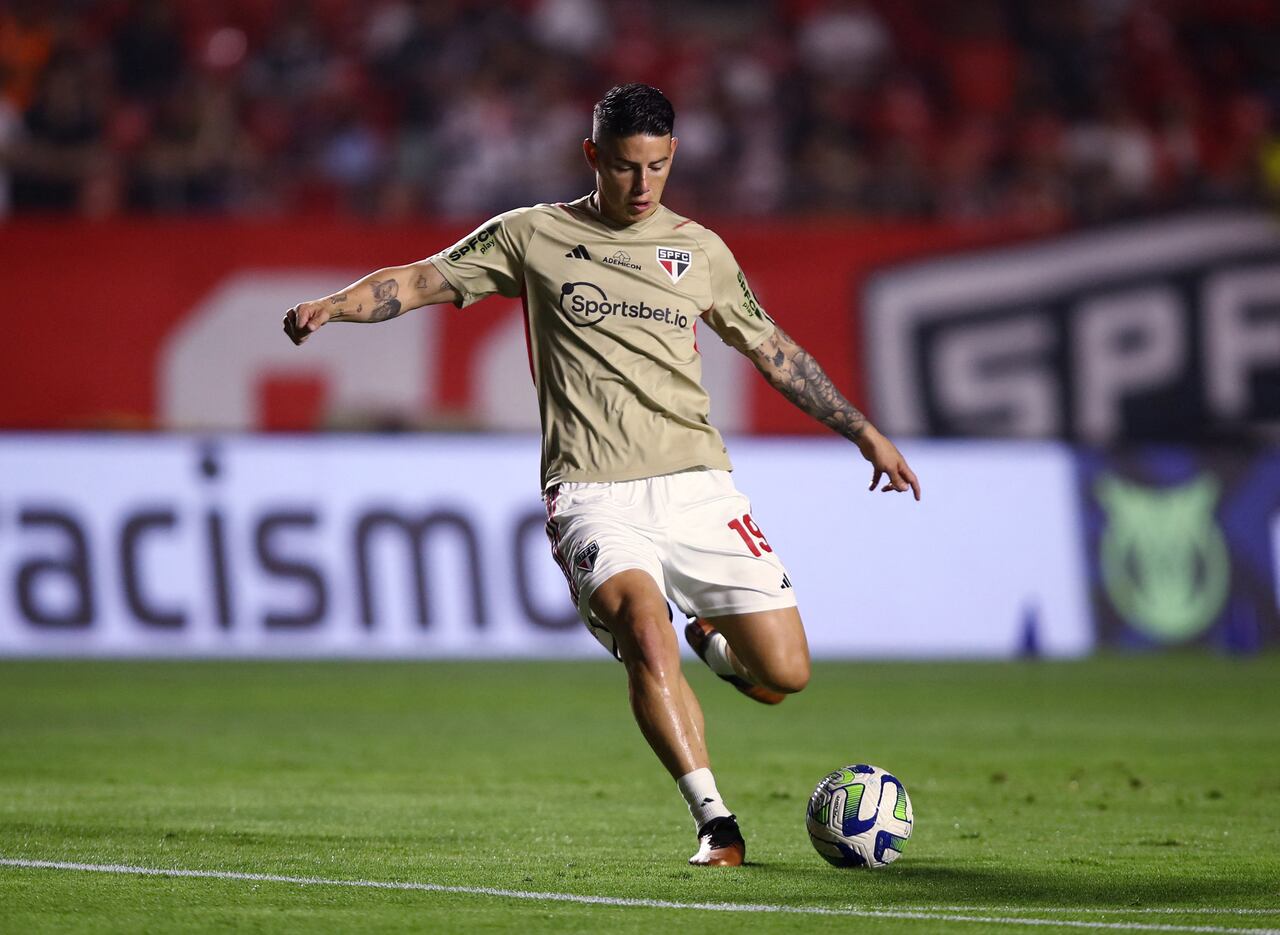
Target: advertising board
{"type": "Point", "coordinates": [1161, 330]}
{"type": "Point", "coordinates": [1183, 546]}
{"type": "Point", "coordinates": [434, 546]}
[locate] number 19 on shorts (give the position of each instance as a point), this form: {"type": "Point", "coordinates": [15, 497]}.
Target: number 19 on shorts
{"type": "Point", "coordinates": [750, 533]}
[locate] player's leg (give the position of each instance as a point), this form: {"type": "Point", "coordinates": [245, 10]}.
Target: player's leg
{"type": "Point", "coordinates": [635, 612]}
{"type": "Point", "coordinates": [633, 609]}
{"type": "Point", "coordinates": [766, 648]}
{"type": "Point", "coordinates": [613, 573]}
{"type": "Point", "coordinates": [724, 573]}
{"type": "Point", "coordinates": [601, 539]}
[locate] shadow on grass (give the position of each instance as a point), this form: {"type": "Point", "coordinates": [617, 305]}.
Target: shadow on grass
{"type": "Point", "coordinates": [1091, 884]}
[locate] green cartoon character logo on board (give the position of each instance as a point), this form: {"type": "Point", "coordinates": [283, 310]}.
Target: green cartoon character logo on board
{"type": "Point", "coordinates": [1165, 563]}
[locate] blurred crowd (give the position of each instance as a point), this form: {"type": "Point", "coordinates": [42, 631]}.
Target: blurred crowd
{"type": "Point", "coordinates": [1047, 112]}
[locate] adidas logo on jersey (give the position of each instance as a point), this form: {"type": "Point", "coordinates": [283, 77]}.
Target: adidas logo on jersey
{"type": "Point", "coordinates": [786, 582]}
{"type": "Point", "coordinates": [579, 253]}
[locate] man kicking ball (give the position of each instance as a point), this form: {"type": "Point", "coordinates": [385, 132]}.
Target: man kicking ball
{"type": "Point", "coordinates": [641, 507]}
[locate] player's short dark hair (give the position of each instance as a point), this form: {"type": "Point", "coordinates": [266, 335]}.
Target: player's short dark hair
{"type": "Point", "coordinates": [632, 110]}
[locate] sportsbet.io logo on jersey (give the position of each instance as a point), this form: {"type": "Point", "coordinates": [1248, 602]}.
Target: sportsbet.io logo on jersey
{"type": "Point", "coordinates": [584, 304]}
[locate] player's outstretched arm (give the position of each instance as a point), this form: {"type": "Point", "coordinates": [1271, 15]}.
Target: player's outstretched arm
{"type": "Point", "coordinates": [380, 296]}
{"type": "Point", "coordinates": [792, 371]}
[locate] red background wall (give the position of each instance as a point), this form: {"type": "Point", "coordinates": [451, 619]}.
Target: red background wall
{"type": "Point", "coordinates": [88, 305]}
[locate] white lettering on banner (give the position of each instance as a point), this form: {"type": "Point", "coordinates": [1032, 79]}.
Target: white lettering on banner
{"type": "Point", "coordinates": [435, 547]}
{"type": "Point", "coordinates": [1179, 309]}
{"type": "Point", "coordinates": [993, 378]}
{"type": "Point", "coordinates": [212, 365]}
{"type": "Point", "coordinates": [1242, 332]}
{"type": "Point", "coordinates": [1123, 343]}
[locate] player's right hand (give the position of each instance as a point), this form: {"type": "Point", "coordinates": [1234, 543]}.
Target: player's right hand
{"type": "Point", "coordinates": [304, 318]}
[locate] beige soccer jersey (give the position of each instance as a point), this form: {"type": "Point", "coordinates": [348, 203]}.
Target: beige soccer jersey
{"type": "Point", "coordinates": [611, 313]}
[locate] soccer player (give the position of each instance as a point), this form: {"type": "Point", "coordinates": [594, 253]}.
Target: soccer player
{"type": "Point", "coordinates": [641, 508]}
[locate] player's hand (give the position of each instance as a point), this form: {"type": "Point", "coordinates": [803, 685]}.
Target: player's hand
{"type": "Point", "coordinates": [887, 462]}
{"type": "Point", "coordinates": [303, 319]}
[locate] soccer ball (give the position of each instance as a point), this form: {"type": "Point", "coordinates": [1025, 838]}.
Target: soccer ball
{"type": "Point", "coordinates": [859, 816]}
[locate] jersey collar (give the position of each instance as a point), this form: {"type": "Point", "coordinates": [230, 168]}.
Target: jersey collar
{"type": "Point", "coordinates": [591, 205]}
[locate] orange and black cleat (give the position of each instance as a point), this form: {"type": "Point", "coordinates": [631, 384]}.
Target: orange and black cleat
{"type": "Point", "coordinates": [698, 634]}
{"type": "Point", "coordinates": [720, 844]}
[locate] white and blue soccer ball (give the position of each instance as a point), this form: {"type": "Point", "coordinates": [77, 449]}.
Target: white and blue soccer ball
{"type": "Point", "coordinates": [859, 816]}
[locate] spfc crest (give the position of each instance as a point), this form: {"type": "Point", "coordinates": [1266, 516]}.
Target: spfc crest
{"type": "Point", "coordinates": [675, 262]}
{"type": "Point", "coordinates": [585, 558]}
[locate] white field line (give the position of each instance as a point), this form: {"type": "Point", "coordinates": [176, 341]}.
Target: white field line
{"type": "Point", "coordinates": [623, 902]}
{"type": "Point", "coordinates": [1114, 910]}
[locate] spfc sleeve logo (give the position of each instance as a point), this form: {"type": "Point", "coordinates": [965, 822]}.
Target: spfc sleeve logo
{"type": "Point", "coordinates": [675, 262]}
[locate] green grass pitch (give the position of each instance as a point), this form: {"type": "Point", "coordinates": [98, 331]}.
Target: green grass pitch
{"type": "Point", "coordinates": [1139, 794]}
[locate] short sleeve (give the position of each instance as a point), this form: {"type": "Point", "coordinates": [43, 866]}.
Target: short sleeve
{"type": "Point", "coordinates": [735, 314]}
{"type": "Point", "coordinates": [488, 261]}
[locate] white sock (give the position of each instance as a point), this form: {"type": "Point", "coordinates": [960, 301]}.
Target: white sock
{"type": "Point", "coordinates": [717, 656]}
{"type": "Point", "coordinates": [699, 790]}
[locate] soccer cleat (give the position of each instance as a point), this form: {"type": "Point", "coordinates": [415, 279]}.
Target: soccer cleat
{"type": "Point", "coordinates": [720, 844]}
{"type": "Point", "coordinates": [698, 635]}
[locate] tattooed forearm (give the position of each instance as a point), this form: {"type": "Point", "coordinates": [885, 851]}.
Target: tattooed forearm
{"type": "Point", "coordinates": [384, 310]}
{"type": "Point", "coordinates": [388, 305]}
{"type": "Point", "coordinates": [345, 314]}
{"type": "Point", "coordinates": [793, 372]}
{"type": "Point", "coordinates": [387, 293]}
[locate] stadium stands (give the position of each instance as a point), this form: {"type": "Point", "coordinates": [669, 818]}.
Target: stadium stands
{"type": "Point", "coordinates": [1061, 112]}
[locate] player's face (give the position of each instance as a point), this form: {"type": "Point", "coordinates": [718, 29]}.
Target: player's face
{"type": "Point", "coordinates": [631, 173]}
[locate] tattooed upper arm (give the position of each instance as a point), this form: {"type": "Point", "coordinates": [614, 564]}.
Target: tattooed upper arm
{"type": "Point", "coordinates": [431, 286]}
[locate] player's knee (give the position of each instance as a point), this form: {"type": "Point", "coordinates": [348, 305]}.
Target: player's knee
{"type": "Point", "coordinates": [787, 676]}
{"type": "Point", "coordinates": [646, 642]}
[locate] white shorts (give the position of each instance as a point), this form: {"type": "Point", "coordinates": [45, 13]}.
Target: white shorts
{"type": "Point", "coordinates": [692, 532]}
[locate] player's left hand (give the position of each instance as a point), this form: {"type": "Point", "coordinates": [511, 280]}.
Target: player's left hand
{"type": "Point", "coordinates": [887, 462]}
